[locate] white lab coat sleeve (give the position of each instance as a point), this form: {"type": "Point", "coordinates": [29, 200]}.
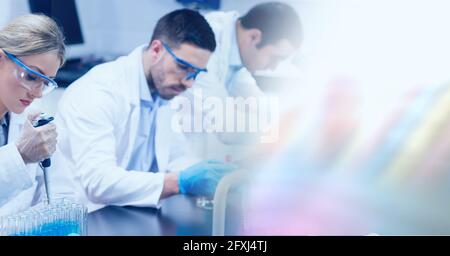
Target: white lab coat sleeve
{"type": "Point", "coordinates": [209, 84]}
{"type": "Point", "coordinates": [90, 143]}
{"type": "Point", "coordinates": [181, 155]}
{"type": "Point", "coordinates": [14, 176]}
{"type": "Point", "coordinates": [243, 86]}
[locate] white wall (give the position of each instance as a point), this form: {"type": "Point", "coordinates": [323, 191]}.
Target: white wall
{"type": "Point", "coordinates": [399, 39]}
{"type": "Point", "coordinates": [12, 8]}
{"type": "Point", "coordinates": [117, 26]}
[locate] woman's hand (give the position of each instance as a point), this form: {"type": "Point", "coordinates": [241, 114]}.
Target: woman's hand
{"type": "Point", "coordinates": [37, 144]}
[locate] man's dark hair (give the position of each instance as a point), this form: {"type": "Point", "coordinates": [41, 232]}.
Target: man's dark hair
{"type": "Point", "coordinates": [276, 21]}
{"type": "Point", "coordinates": [185, 26]}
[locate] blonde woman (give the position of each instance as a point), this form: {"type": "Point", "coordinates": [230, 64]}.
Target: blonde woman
{"type": "Point", "coordinates": [31, 52]}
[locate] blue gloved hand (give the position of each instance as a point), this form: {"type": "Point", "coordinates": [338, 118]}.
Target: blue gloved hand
{"type": "Point", "coordinates": [202, 179]}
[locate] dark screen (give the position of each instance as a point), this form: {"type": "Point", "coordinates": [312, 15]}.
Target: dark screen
{"type": "Point", "coordinates": [64, 12]}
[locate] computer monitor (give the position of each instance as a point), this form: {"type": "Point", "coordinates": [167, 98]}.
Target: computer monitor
{"type": "Point", "coordinates": [201, 4]}
{"type": "Point", "coordinates": [65, 13]}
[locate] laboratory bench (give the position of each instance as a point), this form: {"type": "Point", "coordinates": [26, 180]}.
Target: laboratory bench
{"type": "Point", "coordinates": [178, 216]}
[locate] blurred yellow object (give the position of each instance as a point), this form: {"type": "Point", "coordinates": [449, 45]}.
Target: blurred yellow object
{"type": "Point", "coordinates": [422, 143]}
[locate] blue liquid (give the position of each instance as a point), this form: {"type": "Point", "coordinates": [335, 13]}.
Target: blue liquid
{"type": "Point", "coordinates": [58, 228]}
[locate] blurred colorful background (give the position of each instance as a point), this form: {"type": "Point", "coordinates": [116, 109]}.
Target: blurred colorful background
{"type": "Point", "coordinates": [365, 126]}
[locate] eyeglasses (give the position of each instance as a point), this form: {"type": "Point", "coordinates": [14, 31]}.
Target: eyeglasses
{"type": "Point", "coordinates": [31, 79]}
{"type": "Point", "coordinates": [190, 71]}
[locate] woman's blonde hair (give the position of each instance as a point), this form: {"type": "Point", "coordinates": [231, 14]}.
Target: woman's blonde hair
{"type": "Point", "coordinates": [33, 34]}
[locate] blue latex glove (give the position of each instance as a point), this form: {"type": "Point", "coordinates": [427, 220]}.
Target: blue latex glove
{"type": "Point", "coordinates": [202, 179]}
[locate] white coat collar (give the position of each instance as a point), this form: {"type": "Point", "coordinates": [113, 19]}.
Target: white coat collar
{"type": "Point", "coordinates": [135, 75]}
{"type": "Point", "coordinates": [136, 67]}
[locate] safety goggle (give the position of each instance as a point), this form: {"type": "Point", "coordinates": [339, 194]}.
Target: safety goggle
{"type": "Point", "coordinates": [189, 69]}
{"type": "Point", "coordinates": [31, 79]}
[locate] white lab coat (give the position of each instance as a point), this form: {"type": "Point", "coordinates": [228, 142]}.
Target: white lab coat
{"type": "Point", "coordinates": [221, 146]}
{"type": "Point", "coordinates": [98, 118]}
{"type": "Point", "coordinates": [21, 185]}
{"type": "Point", "coordinates": [214, 82]}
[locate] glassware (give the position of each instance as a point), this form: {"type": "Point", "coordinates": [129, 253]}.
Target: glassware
{"type": "Point", "coordinates": [62, 217]}
{"type": "Point", "coordinates": [205, 203]}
